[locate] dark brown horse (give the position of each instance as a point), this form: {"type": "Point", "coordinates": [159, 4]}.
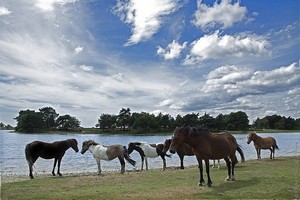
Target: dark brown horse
{"type": "Point", "coordinates": [208, 146]}
{"type": "Point", "coordinates": [263, 143]}
{"type": "Point", "coordinates": [55, 150]}
{"type": "Point", "coordinates": [184, 150]}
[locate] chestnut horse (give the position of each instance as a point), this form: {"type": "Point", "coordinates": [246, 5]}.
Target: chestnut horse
{"type": "Point", "coordinates": [55, 150]}
{"type": "Point", "coordinates": [101, 152]}
{"type": "Point", "coordinates": [262, 143]}
{"type": "Point", "coordinates": [208, 146]}
{"type": "Point", "coordinates": [184, 150]}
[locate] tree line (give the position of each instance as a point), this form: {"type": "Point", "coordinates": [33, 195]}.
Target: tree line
{"type": "Point", "coordinates": [47, 119]}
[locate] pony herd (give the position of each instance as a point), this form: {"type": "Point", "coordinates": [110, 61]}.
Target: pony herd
{"type": "Point", "coordinates": [186, 141]}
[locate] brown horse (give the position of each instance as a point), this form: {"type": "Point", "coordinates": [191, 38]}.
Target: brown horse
{"type": "Point", "coordinates": [184, 150]}
{"type": "Point", "coordinates": [208, 146]}
{"type": "Point", "coordinates": [101, 152]}
{"type": "Point", "coordinates": [263, 143]}
{"type": "Point", "coordinates": [55, 150]}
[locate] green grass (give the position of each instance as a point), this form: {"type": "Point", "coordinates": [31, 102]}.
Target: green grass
{"type": "Point", "coordinates": [267, 179]}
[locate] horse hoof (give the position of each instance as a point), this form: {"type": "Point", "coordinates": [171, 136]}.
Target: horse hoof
{"type": "Point", "coordinates": [228, 179]}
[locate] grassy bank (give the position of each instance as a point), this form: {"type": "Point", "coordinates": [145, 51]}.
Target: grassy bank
{"type": "Point", "coordinates": [267, 179]}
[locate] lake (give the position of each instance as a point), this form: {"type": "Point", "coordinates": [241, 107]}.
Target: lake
{"type": "Point", "coordinates": [13, 160]}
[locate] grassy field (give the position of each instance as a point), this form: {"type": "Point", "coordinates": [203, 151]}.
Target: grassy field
{"type": "Point", "coordinates": [267, 179]}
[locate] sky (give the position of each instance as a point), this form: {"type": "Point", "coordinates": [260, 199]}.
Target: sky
{"type": "Point", "coordinates": [90, 57]}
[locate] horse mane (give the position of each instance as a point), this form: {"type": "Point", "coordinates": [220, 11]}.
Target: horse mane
{"type": "Point", "coordinates": [91, 142]}
{"type": "Point", "coordinates": [197, 131]}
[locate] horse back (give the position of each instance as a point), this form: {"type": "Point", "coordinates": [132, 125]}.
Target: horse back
{"type": "Point", "coordinates": [217, 146]}
{"type": "Point", "coordinates": [45, 150]}
{"type": "Point", "coordinates": [267, 143]}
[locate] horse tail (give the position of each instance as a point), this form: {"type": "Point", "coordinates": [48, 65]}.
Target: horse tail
{"type": "Point", "coordinates": [28, 155]}
{"type": "Point", "coordinates": [276, 146]}
{"type": "Point", "coordinates": [239, 149]}
{"type": "Point", "coordinates": [127, 157]}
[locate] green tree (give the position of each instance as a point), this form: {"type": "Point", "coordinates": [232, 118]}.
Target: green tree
{"type": "Point", "coordinates": [124, 118]}
{"type": "Point", "coordinates": [107, 122]}
{"type": "Point", "coordinates": [145, 122]}
{"type": "Point", "coordinates": [68, 123]}
{"type": "Point", "coordinates": [29, 121]}
{"type": "Point", "coordinates": [207, 121]}
{"type": "Point", "coordinates": [49, 116]}
{"type": "Point", "coordinates": [237, 121]}
{"type": "Point", "coordinates": [191, 119]}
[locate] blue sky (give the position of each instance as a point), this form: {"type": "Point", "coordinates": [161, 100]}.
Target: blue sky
{"type": "Point", "coordinates": [86, 58]}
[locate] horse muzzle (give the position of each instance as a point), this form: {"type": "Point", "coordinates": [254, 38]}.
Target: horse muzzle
{"type": "Point", "coordinates": [172, 151]}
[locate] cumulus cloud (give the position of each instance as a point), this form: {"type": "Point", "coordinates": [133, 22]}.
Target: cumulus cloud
{"type": "Point", "coordinates": [78, 49]}
{"type": "Point", "coordinates": [225, 14]}
{"type": "Point", "coordinates": [172, 51]}
{"type": "Point", "coordinates": [86, 68]}
{"type": "Point", "coordinates": [231, 88]}
{"type": "Point", "coordinates": [145, 17]}
{"type": "Point", "coordinates": [215, 46]}
{"type": "Point", "coordinates": [4, 11]}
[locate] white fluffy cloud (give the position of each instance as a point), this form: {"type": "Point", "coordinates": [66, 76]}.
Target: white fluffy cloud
{"type": "Point", "coordinates": [215, 46]}
{"type": "Point", "coordinates": [145, 16]}
{"type": "Point", "coordinates": [225, 14]}
{"type": "Point", "coordinates": [78, 49]}
{"type": "Point", "coordinates": [172, 51]}
{"type": "Point", "coordinates": [48, 5]}
{"type": "Point", "coordinates": [4, 11]}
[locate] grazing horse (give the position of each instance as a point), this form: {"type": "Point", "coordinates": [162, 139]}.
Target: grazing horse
{"type": "Point", "coordinates": [55, 150]}
{"type": "Point", "coordinates": [148, 150]}
{"type": "Point", "coordinates": [184, 150]}
{"type": "Point", "coordinates": [208, 146]}
{"type": "Point", "coordinates": [101, 152]}
{"type": "Point", "coordinates": [262, 143]}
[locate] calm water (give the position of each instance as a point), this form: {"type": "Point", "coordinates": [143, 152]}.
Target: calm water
{"type": "Point", "coordinates": [13, 160]}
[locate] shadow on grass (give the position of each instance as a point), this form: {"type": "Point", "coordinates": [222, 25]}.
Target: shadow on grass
{"type": "Point", "coordinates": [228, 190]}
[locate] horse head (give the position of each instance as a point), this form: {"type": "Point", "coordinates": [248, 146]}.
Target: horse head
{"type": "Point", "coordinates": [250, 137]}
{"type": "Point", "coordinates": [167, 145]}
{"type": "Point", "coordinates": [178, 138]}
{"type": "Point", "coordinates": [74, 144]}
{"type": "Point", "coordinates": [86, 145]}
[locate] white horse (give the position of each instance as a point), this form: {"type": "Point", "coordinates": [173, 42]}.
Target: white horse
{"type": "Point", "coordinates": [148, 150]}
{"type": "Point", "coordinates": [108, 153]}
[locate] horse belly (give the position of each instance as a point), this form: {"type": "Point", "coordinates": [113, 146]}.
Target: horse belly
{"type": "Point", "coordinates": [150, 152]}
{"type": "Point", "coordinates": [101, 154]}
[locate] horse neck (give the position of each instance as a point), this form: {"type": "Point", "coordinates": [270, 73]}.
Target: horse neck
{"type": "Point", "coordinates": [256, 138]}
{"type": "Point", "coordinates": [93, 147]}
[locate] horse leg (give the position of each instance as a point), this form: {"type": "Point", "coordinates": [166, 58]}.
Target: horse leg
{"type": "Point", "coordinates": [122, 162]}
{"type": "Point", "coordinates": [164, 163]}
{"type": "Point", "coordinates": [99, 166]}
{"type": "Point", "coordinates": [207, 172]}
{"type": "Point", "coordinates": [271, 152]}
{"type": "Point", "coordinates": [142, 168]}
{"type": "Point", "coordinates": [146, 162]}
{"type": "Point", "coordinates": [233, 163]}
{"type": "Point", "coordinates": [30, 164]}
{"type": "Point", "coordinates": [201, 181]}
{"type": "Point", "coordinates": [55, 160]}
{"type": "Point", "coordinates": [58, 167]}
{"type": "Point", "coordinates": [228, 163]}
{"type": "Point", "coordinates": [181, 162]}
